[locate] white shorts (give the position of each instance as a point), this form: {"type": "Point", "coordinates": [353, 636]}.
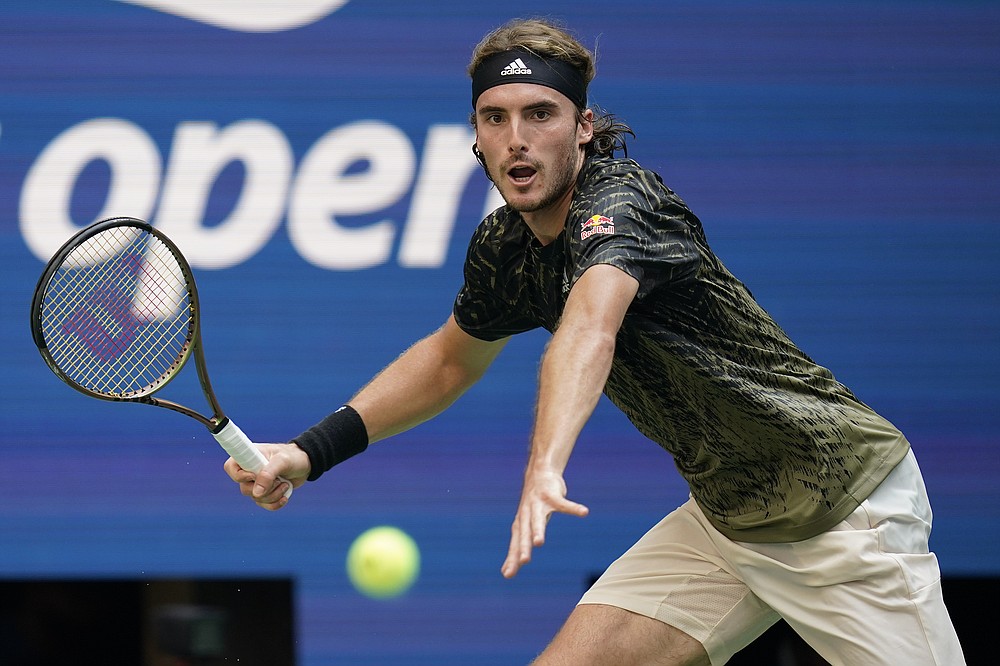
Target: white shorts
{"type": "Point", "coordinates": [866, 592]}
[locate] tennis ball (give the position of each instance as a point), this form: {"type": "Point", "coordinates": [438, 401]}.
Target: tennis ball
{"type": "Point", "coordinates": [383, 562]}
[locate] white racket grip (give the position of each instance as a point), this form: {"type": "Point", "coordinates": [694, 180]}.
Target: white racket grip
{"type": "Point", "coordinates": [243, 451]}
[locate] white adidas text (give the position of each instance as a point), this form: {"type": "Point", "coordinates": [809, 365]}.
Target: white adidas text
{"type": "Point", "coordinates": [516, 67]}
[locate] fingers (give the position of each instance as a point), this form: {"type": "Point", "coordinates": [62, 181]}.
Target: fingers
{"type": "Point", "coordinates": [528, 529]}
{"type": "Point", "coordinates": [574, 509]}
{"type": "Point", "coordinates": [269, 486]}
{"type": "Point", "coordinates": [271, 499]}
{"type": "Point", "coordinates": [235, 472]}
{"type": "Point", "coordinates": [266, 490]}
{"type": "Point", "coordinates": [264, 483]}
{"type": "Point", "coordinates": [521, 543]}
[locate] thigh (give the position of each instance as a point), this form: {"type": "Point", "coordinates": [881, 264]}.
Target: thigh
{"type": "Point", "coordinates": [869, 590]}
{"type": "Point", "coordinates": [675, 575]}
{"type": "Point", "coordinates": [598, 635]}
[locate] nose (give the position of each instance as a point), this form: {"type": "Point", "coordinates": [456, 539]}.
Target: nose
{"type": "Point", "coordinates": [517, 142]}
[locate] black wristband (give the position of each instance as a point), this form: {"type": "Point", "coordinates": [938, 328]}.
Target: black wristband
{"type": "Point", "coordinates": [333, 440]}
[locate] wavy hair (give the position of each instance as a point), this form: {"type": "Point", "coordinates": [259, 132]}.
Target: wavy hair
{"type": "Point", "coordinates": [549, 40]}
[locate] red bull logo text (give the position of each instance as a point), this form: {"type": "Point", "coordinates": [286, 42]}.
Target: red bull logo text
{"type": "Point", "coordinates": [598, 224]}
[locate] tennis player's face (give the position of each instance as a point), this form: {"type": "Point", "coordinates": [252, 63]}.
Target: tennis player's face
{"type": "Point", "coordinates": [532, 142]}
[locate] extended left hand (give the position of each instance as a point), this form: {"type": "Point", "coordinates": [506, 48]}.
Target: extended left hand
{"type": "Point", "coordinates": [544, 493]}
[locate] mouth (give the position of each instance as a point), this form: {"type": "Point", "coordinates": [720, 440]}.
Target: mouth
{"type": "Point", "coordinates": [521, 174]}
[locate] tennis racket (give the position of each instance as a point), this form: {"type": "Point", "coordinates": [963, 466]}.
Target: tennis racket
{"type": "Point", "coordinates": [115, 315]}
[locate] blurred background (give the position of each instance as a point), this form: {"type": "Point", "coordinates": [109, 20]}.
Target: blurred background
{"type": "Point", "coordinates": [312, 160]}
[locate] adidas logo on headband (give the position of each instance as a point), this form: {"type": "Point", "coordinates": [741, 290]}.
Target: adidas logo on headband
{"type": "Point", "coordinates": [521, 66]}
{"type": "Point", "coordinates": [516, 67]}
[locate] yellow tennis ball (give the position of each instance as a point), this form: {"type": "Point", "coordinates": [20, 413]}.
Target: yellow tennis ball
{"type": "Point", "coordinates": [383, 562]}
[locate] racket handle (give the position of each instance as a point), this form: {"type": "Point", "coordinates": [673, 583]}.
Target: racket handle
{"type": "Point", "coordinates": [243, 451]}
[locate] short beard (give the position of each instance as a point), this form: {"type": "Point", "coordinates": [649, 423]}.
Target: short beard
{"type": "Point", "coordinates": [565, 179]}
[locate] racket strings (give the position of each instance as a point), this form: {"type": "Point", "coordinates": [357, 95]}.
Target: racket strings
{"type": "Point", "coordinates": [118, 315]}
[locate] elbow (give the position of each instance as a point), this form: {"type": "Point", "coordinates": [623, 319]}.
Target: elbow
{"type": "Point", "coordinates": [604, 346]}
{"type": "Point", "coordinates": [594, 343]}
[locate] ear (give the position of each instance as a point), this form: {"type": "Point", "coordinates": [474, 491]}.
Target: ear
{"type": "Point", "coordinates": [482, 160]}
{"type": "Point", "coordinates": [585, 127]}
{"type": "Point", "coordinates": [475, 144]}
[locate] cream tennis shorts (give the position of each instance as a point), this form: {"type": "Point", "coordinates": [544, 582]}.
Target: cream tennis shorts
{"type": "Point", "coordinates": [866, 592]}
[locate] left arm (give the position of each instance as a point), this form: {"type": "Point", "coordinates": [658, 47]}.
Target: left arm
{"type": "Point", "coordinates": [575, 367]}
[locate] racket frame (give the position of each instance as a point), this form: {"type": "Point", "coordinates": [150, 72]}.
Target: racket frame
{"type": "Point", "coordinates": [192, 346]}
{"type": "Point", "coordinates": [229, 436]}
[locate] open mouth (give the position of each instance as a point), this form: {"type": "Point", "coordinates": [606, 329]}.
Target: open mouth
{"type": "Point", "coordinates": [521, 174]}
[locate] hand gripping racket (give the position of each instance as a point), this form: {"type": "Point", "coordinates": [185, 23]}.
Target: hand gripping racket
{"type": "Point", "coordinates": [115, 315]}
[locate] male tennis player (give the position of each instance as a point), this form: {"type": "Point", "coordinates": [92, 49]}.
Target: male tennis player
{"type": "Point", "coordinates": [805, 505]}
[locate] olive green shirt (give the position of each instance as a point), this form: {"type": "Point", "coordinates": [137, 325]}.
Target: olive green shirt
{"type": "Point", "coordinates": [772, 446]}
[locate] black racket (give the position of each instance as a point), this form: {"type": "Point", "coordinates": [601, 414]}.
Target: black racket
{"type": "Point", "coordinates": [115, 315]}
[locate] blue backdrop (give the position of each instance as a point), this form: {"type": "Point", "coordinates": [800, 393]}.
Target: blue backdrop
{"type": "Point", "coordinates": [312, 159]}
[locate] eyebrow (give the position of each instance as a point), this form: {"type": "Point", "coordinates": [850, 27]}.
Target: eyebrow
{"type": "Point", "coordinates": [541, 104]}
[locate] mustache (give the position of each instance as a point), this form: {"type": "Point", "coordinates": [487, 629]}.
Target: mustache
{"type": "Point", "coordinates": [521, 160]}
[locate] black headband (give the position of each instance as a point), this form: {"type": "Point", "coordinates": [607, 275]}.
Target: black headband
{"type": "Point", "coordinates": [519, 66]}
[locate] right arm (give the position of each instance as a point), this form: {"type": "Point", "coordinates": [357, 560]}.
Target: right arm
{"type": "Point", "coordinates": [421, 383]}
{"type": "Point", "coordinates": [424, 381]}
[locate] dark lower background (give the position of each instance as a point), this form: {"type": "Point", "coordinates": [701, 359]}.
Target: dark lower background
{"type": "Point", "coordinates": [147, 622]}
{"type": "Point", "coordinates": [193, 622]}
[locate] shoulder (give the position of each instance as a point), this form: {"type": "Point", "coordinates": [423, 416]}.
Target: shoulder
{"type": "Point", "coordinates": [625, 216]}
{"type": "Point", "coordinates": [623, 185]}
{"type": "Point", "coordinates": [606, 170]}
{"type": "Point", "coordinates": [624, 190]}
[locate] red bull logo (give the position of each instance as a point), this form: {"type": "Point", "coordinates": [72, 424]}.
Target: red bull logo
{"type": "Point", "coordinates": [598, 224]}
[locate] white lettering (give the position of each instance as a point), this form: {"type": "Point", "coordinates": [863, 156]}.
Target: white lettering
{"type": "Point", "coordinates": [357, 170]}
{"type": "Point", "coordinates": [248, 15]}
{"type": "Point", "coordinates": [445, 169]}
{"type": "Point", "coordinates": [200, 153]}
{"type": "Point", "coordinates": [591, 231]}
{"type": "Point", "coordinates": [324, 189]}
{"type": "Point", "coordinates": [48, 187]}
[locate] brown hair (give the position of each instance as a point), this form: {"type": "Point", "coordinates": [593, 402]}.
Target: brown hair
{"type": "Point", "coordinates": [549, 40]}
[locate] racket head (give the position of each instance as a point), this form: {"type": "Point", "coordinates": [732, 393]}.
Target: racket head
{"type": "Point", "coordinates": [115, 313]}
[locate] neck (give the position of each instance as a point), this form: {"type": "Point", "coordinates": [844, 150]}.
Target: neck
{"type": "Point", "coordinates": [547, 224]}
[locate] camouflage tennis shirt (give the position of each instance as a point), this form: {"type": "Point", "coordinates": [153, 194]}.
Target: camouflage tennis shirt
{"type": "Point", "coordinates": [772, 446]}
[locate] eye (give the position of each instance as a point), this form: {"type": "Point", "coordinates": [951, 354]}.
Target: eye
{"type": "Point", "coordinates": [542, 114]}
{"type": "Point", "coordinates": [494, 119]}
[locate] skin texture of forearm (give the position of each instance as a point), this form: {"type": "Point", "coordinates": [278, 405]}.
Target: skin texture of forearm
{"type": "Point", "coordinates": [424, 381]}
{"type": "Point", "coordinates": [577, 363]}
{"type": "Point", "coordinates": [574, 371]}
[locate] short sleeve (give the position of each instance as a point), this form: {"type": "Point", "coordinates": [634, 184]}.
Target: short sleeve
{"type": "Point", "coordinates": [630, 220]}
{"type": "Point", "coordinates": [485, 307]}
